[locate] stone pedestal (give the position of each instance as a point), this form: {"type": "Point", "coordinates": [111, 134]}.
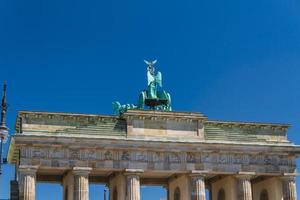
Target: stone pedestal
{"type": "Point", "coordinates": [27, 180]}
{"type": "Point", "coordinates": [133, 184]}
{"type": "Point", "coordinates": [198, 187]}
{"type": "Point", "coordinates": [244, 188]}
{"type": "Point", "coordinates": [289, 190]}
{"type": "Point", "coordinates": [81, 183]}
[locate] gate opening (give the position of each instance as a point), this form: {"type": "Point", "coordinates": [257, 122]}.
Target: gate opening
{"type": "Point", "coordinates": [98, 192]}
{"type": "Point", "coordinates": [49, 191]}
{"type": "Point", "coordinates": [153, 193]}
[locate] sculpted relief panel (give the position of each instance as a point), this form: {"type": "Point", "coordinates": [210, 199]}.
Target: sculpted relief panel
{"type": "Point", "coordinates": [151, 160]}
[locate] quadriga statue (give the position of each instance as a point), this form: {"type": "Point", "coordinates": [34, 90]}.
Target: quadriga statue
{"type": "Point", "coordinates": [153, 98]}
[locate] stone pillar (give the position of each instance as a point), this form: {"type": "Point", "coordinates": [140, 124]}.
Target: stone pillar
{"type": "Point", "coordinates": [117, 186]}
{"type": "Point", "coordinates": [81, 183]}
{"type": "Point", "coordinates": [198, 187]}
{"type": "Point", "coordinates": [132, 184]}
{"type": "Point", "coordinates": [180, 183]}
{"type": "Point", "coordinates": [68, 186]}
{"type": "Point", "coordinates": [27, 180]}
{"type": "Point", "coordinates": [289, 190]}
{"type": "Point", "coordinates": [244, 186]}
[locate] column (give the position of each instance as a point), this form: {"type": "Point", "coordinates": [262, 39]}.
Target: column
{"type": "Point", "coordinates": [198, 187]}
{"type": "Point", "coordinates": [68, 186]}
{"type": "Point", "coordinates": [132, 184]}
{"type": "Point", "coordinates": [81, 183]}
{"type": "Point", "coordinates": [117, 186]}
{"type": "Point", "coordinates": [27, 180]}
{"type": "Point", "coordinates": [289, 188]}
{"type": "Point", "coordinates": [244, 186]}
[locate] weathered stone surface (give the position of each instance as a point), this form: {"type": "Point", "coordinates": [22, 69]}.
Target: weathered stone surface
{"type": "Point", "coordinates": [132, 184]}
{"type": "Point", "coordinates": [27, 178]}
{"type": "Point", "coordinates": [81, 183]}
{"type": "Point", "coordinates": [151, 160]}
{"type": "Point", "coordinates": [244, 186]}
{"type": "Point", "coordinates": [137, 123]}
{"type": "Point", "coordinates": [289, 188]}
{"type": "Point", "coordinates": [198, 187]}
{"type": "Point", "coordinates": [158, 145]}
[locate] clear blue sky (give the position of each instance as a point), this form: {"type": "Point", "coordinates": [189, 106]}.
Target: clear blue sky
{"type": "Point", "coordinates": [231, 60]}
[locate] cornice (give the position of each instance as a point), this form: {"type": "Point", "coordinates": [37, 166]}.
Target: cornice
{"type": "Point", "coordinates": [255, 125]}
{"type": "Point", "coordinates": [163, 115]}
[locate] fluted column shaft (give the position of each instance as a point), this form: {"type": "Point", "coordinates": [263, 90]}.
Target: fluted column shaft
{"type": "Point", "coordinates": [244, 187]}
{"type": "Point", "coordinates": [289, 188]}
{"type": "Point", "coordinates": [198, 187]}
{"type": "Point", "coordinates": [27, 180]}
{"type": "Point", "coordinates": [81, 183]}
{"type": "Point", "coordinates": [133, 187]}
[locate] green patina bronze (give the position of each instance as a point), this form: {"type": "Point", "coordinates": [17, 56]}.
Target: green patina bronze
{"type": "Point", "coordinates": [153, 98]}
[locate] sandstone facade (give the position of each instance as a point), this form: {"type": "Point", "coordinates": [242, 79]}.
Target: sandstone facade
{"type": "Point", "coordinates": [184, 152]}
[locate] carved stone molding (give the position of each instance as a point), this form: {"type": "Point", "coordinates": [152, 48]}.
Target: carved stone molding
{"type": "Point", "coordinates": [151, 160]}
{"type": "Point", "coordinates": [82, 171]}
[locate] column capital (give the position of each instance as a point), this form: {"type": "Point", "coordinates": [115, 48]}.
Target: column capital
{"type": "Point", "coordinates": [28, 169]}
{"type": "Point", "coordinates": [84, 171]}
{"type": "Point", "coordinates": [198, 173]}
{"type": "Point", "coordinates": [289, 176]}
{"type": "Point", "coordinates": [133, 171]}
{"type": "Point", "coordinates": [245, 175]}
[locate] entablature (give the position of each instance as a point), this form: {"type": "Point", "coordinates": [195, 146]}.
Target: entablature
{"type": "Point", "coordinates": [146, 130]}
{"type": "Point", "coordinates": [24, 141]}
{"type": "Point", "coordinates": [179, 160]}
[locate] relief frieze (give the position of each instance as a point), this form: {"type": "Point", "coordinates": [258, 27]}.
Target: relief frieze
{"type": "Point", "coordinates": [74, 154]}
{"type": "Point", "coordinates": [125, 156]}
{"type": "Point", "coordinates": [142, 156]}
{"type": "Point", "coordinates": [108, 155]}
{"type": "Point", "coordinates": [88, 155]}
{"type": "Point", "coordinates": [190, 157]}
{"type": "Point", "coordinates": [56, 153]}
{"type": "Point", "coordinates": [160, 160]}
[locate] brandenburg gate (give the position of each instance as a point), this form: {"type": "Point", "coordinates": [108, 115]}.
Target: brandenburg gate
{"type": "Point", "coordinates": [185, 152]}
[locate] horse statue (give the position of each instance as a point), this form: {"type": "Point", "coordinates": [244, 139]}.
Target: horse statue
{"type": "Point", "coordinates": [119, 109]}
